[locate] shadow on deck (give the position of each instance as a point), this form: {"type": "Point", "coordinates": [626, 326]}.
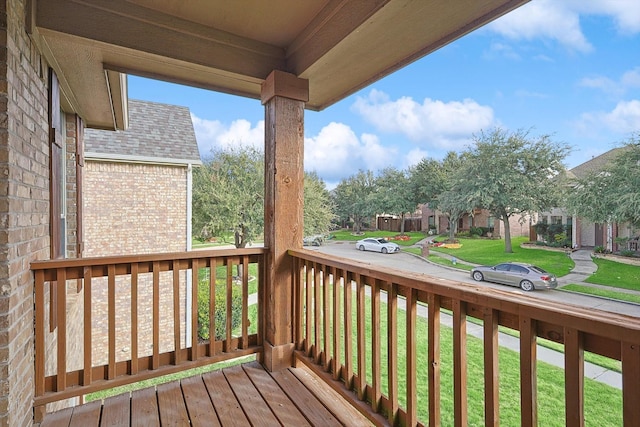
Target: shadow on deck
{"type": "Point", "coordinates": [239, 395]}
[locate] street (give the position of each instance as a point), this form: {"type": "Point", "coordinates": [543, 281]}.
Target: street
{"type": "Point", "coordinates": [407, 262]}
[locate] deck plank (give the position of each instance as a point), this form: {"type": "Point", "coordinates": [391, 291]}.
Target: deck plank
{"type": "Point", "coordinates": [173, 410]}
{"type": "Point", "coordinates": [347, 414]}
{"type": "Point", "coordinates": [60, 418]}
{"type": "Point", "coordinates": [254, 406]}
{"type": "Point", "coordinates": [227, 407]}
{"type": "Point", "coordinates": [314, 410]}
{"type": "Point", "coordinates": [286, 412]}
{"type": "Point", "coordinates": [116, 410]}
{"type": "Point", "coordinates": [199, 406]}
{"type": "Point", "coordinates": [87, 415]}
{"type": "Point", "coordinates": [144, 408]}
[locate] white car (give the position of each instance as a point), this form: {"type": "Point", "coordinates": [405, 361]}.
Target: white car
{"type": "Point", "coordinates": [377, 244]}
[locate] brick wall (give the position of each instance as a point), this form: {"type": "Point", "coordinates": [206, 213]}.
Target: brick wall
{"type": "Point", "coordinates": [24, 207]}
{"type": "Point", "coordinates": [134, 209]}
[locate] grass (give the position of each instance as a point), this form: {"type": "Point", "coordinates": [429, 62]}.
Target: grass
{"type": "Point", "coordinates": [606, 293]}
{"type": "Point", "coordinates": [603, 404]}
{"type": "Point", "coordinates": [616, 274]}
{"type": "Point", "coordinates": [348, 235]}
{"type": "Point", "coordinates": [490, 252]}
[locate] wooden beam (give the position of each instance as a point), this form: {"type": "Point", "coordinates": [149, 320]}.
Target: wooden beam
{"type": "Point", "coordinates": [283, 228]}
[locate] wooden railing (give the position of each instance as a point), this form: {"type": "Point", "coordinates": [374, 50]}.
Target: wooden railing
{"type": "Point", "coordinates": [118, 320]}
{"type": "Point", "coordinates": [366, 330]}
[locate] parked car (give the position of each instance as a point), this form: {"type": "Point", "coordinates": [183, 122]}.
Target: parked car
{"type": "Point", "coordinates": [526, 276]}
{"type": "Point", "coordinates": [377, 244]}
{"type": "Point", "coordinates": [316, 240]}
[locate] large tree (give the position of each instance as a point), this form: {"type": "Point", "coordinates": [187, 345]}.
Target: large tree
{"type": "Point", "coordinates": [319, 209]}
{"type": "Point", "coordinates": [613, 193]}
{"type": "Point", "coordinates": [228, 195]}
{"type": "Point", "coordinates": [431, 183]}
{"type": "Point", "coordinates": [395, 195]}
{"type": "Point", "coordinates": [356, 198]}
{"type": "Point", "coordinates": [511, 174]}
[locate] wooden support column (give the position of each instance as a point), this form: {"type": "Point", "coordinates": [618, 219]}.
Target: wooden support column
{"type": "Point", "coordinates": [283, 96]}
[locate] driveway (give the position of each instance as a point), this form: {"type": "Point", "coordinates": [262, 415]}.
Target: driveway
{"type": "Point", "coordinates": [407, 262]}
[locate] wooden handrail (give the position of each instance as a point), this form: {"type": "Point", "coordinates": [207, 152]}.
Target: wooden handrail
{"type": "Point", "coordinates": [127, 278]}
{"type": "Point", "coordinates": [576, 328]}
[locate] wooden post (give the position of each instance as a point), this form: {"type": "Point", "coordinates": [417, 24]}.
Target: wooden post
{"type": "Point", "coordinates": [283, 96]}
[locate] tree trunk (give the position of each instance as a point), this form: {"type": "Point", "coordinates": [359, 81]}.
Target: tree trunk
{"type": "Point", "coordinates": [402, 224]}
{"type": "Point", "coordinates": [507, 234]}
{"type": "Point", "coordinates": [453, 226]}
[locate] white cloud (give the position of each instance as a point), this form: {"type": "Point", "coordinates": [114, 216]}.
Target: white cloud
{"type": "Point", "coordinates": [337, 152]}
{"type": "Point", "coordinates": [213, 134]}
{"type": "Point", "coordinates": [628, 81]}
{"type": "Point", "coordinates": [546, 19]}
{"type": "Point", "coordinates": [623, 119]}
{"type": "Point", "coordinates": [434, 123]}
{"type": "Point", "coordinates": [413, 157]}
{"type": "Point", "coordinates": [559, 21]}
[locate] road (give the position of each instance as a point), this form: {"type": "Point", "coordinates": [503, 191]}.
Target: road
{"type": "Point", "coordinates": [408, 262]}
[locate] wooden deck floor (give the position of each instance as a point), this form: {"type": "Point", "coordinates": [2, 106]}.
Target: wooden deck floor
{"type": "Point", "coordinates": [235, 396]}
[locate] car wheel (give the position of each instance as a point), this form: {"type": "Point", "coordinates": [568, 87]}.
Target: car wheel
{"type": "Point", "coordinates": [384, 250]}
{"type": "Point", "coordinates": [477, 276]}
{"type": "Point", "coordinates": [361, 247]}
{"type": "Point", "coordinates": [526, 285]}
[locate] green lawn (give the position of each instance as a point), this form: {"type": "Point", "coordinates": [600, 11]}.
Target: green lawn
{"type": "Point", "coordinates": [489, 252]}
{"type": "Point", "coordinates": [616, 274]}
{"type": "Point", "coordinates": [621, 296]}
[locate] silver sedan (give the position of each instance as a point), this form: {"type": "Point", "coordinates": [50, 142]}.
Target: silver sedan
{"type": "Point", "coordinates": [377, 244]}
{"type": "Point", "coordinates": [528, 277]}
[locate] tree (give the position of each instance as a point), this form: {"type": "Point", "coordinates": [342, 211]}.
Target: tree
{"type": "Point", "coordinates": [228, 195]}
{"type": "Point", "coordinates": [613, 193]}
{"type": "Point", "coordinates": [356, 198]}
{"type": "Point", "coordinates": [509, 173]}
{"type": "Point", "coordinates": [318, 206]}
{"type": "Point", "coordinates": [431, 183]}
{"type": "Point", "coordinates": [396, 197]}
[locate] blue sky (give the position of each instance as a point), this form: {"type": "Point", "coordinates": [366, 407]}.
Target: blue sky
{"type": "Point", "coordinates": [569, 69]}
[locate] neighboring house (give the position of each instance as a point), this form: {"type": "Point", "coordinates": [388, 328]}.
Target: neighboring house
{"type": "Point", "coordinates": [433, 219]}
{"type": "Point", "coordinates": [137, 200]}
{"type": "Point", "coordinates": [585, 233]}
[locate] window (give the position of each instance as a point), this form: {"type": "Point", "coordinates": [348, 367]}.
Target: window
{"type": "Point", "coordinates": [556, 220]}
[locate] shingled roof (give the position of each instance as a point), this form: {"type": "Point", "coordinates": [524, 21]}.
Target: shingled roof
{"type": "Point", "coordinates": [596, 164]}
{"type": "Point", "coordinates": [157, 133]}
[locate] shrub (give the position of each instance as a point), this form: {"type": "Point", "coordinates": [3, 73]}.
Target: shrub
{"type": "Point", "coordinates": [220, 308]}
{"type": "Point", "coordinates": [599, 249]}
{"type": "Point", "coordinates": [476, 231]}
{"type": "Point", "coordinates": [627, 252]}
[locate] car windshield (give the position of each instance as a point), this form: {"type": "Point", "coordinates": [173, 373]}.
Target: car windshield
{"type": "Point", "coordinates": [381, 240]}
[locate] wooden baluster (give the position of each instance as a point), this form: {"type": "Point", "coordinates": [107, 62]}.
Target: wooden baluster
{"type": "Point", "coordinates": [573, 378]}
{"type": "Point", "coordinates": [111, 315]}
{"type": "Point", "coordinates": [411, 339]}
{"type": "Point", "coordinates": [228, 347]}
{"type": "Point", "coordinates": [528, 373]}
{"type": "Point", "coordinates": [244, 342]}
{"type": "Point", "coordinates": [491, 370]}
{"type": "Point", "coordinates": [307, 308]}
{"type": "Point", "coordinates": [375, 346]}
{"type": "Point", "coordinates": [392, 350]}
{"type": "Point", "coordinates": [61, 315]}
{"type": "Point", "coordinates": [195, 283]}
{"type": "Point", "coordinates": [433, 320]}
{"type": "Point", "coordinates": [87, 338]}
{"type": "Point", "coordinates": [326, 306]}
{"type": "Point", "coordinates": [175, 266]}
{"type": "Point", "coordinates": [630, 384]}
{"type": "Point", "coordinates": [39, 332]}
{"type": "Point", "coordinates": [155, 359]}
{"type": "Point", "coordinates": [361, 338]}
{"type": "Point", "coordinates": [338, 284]}
{"type": "Point", "coordinates": [348, 331]}
{"type": "Point", "coordinates": [134, 317]}
{"type": "Point", "coordinates": [317, 312]}
{"type": "Point", "coordinates": [212, 306]}
{"type": "Point", "coordinates": [460, 363]}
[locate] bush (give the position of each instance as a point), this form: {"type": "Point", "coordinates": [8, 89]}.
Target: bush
{"type": "Point", "coordinates": [476, 231]}
{"type": "Point", "coordinates": [599, 249]}
{"type": "Point", "coordinates": [220, 307]}
{"type": "Point", "coordinates": [627, 252]}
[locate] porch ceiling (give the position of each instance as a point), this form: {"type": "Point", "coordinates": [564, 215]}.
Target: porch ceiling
{"type": "Point", "coordinates": [340, 46]}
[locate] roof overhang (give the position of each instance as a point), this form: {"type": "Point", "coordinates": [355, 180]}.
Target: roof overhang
{"type": "Point", "coordinates": [340, 46]}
